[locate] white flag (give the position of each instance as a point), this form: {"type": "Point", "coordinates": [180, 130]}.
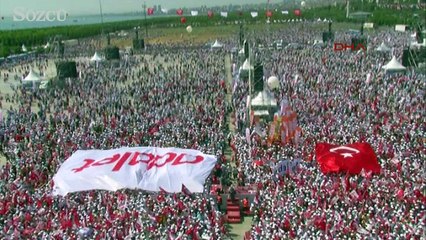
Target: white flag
{"type": "Point", "coordinates": [146, 168]}
{"type": "Point", "coordinates": [224, 14]}
{"type": "Point", "coordinates": [163, 10]}
{"type": "Point", "coordinates": [284, 12]}
{"type": "Point", "coordinates": [368, 80]}
{"type": "Point", "coordinates": [254, 14]}
{"type": "Point", "coordinates": [248, 136]}
{"type": "Point", "coordinates": [194, 13]}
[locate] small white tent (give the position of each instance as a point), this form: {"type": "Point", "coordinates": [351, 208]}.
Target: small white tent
{"type": "Point", "coordinates": [246, 66]}
{"type": "Point", "coordinates": [32, 77]}
{"type": "Point", "coordinates": [318, 42]}
{"type": "Point", "coordinates": [216, 44]}
{"type": "Point", "coordinates": [393, 65]}
{"type": "Point", "coordinates": [383, 48]}
{"type": "Point", "coordinates": [96, 58]}
{"type": "Point", "coordinates": [264, 98]}
{"type": "Point", "coordinates": [23, 48]}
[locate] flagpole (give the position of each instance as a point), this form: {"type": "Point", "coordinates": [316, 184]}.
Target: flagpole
{"type": "Point", "coordinates": [347, 9]}
{"type": "Point", "coordinates": [146, 24]}
{"type": "Point", "coordinates": [102, 17]}
{"type": "Point", "coordinates": [250, 87]}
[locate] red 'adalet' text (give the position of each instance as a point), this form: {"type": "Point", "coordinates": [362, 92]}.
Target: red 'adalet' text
{"type": "Point", "coordinates": [133, 158]}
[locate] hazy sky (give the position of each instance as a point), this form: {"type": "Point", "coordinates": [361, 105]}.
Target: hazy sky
{"type": "Point", "coordinates": [7, 7]}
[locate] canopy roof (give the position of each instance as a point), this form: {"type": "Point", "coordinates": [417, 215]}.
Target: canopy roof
{"type": "Point", "coordinates": [96, 58]}
{"type": "Point", "coordinates": [393, 65]}
{"type": "Point", "coordinates": [32, 76]}
{"type": "Point", "coordinates": [416, 44]}
{"type": "Point", "coordinates": [247, 65]}
{"type": "Point", "coordinates": [264, 98]}
{"type": "Point", "coordinates": [216, 44]}
{"type": "Point", "coordinates": [261, 113]}
{"type": "Point", "coordinates": [383, 48]}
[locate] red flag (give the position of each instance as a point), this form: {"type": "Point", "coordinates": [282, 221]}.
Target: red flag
{"type": "Point", "coordinates": [162, 191]}
{"type": "Point", "coordinates": [269, 13]}
{"type": "Point", "coordinates": [179, 12]}
{"type": "Point", "coordinates": [297, 12]}
{"type": "Point", "coordinates": [400, 194]}
{"type": "Point", "coordinates": [350, 158]}
{"type": "Point", "coordinates": [183, 20]}
{"type": "Point", "coordinates": [150, 11]}
{"type": "Point", "coordinates": [210, 14]}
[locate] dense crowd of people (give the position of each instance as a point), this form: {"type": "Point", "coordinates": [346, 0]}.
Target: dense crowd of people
{"type": "Point", "coordinates": [177, 98]}
{"type": "Point", "coordinates": [338, 103]}
{"type": "Point", "coordinates": [162, 100]}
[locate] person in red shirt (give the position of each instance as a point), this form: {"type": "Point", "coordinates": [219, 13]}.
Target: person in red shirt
{"type": "Point", "coordinates": [246, 204]}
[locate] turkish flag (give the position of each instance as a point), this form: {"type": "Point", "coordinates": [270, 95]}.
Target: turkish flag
{"type": "Point", "coordinates": [269, 13]}
{"type": "Point", "coordinates": [210, 14]}
{"type": "Point", "coordinates": [150, 11]}
{"type": "Point", "coordinates": [350, 158]}
{"type": "Point", "coordinates": [179, 12]}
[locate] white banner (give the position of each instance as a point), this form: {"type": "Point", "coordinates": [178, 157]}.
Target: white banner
{"type": "Point", "coordinates": [368, 25]}
{"type": "Point", "coordinates": [284, 12]}
{"type": "Point", "coordinates": [146, 168]}
{"type": "Point", "coordinates": [285, 166]}
{"type": "Point", "coordinates": [224, 14]}
{"type": "Point", "coordinates": [194, 13]}
{"type": "Point", "coordinates": [400, 28]}
{"type": "Point", "coordinates": [253, 14]}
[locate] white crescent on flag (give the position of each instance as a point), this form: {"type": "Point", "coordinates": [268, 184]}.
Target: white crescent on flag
{"type": "Point", "coordinates": [345, 154]}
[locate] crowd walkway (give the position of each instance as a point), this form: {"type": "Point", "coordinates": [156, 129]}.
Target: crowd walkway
{"type": "Point", "coordinates": [237, 230]}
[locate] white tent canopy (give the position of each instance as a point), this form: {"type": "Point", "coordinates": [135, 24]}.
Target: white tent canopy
{"type": "Point", "coordinates": [383, 48]}
{"type": "Point", "coordinates": [417, 45]}
{"type": "Point", "coordinates": [393, 65]}
{"type": "Point", "coordinates": [318, 42]}
{"type": "Point", "coordinates": [264, 98]}
{"type": "Point", "coordinates": [23, 48]}
{"type": "Point", "coordinates": [96, 58]}
{"type": "Point", "coordinates": [32, 76]}
{"type": "Point", "coordinates": [247, 66]}
{"type": "Point", "coordinates": [216, 44]}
